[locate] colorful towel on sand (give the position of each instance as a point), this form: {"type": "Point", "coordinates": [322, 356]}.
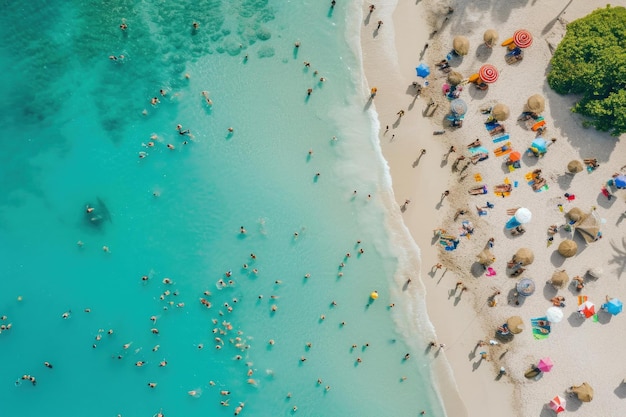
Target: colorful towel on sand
{"type": "Point", "coordinates": [478, 177]}
{"type": "Point", "coordinates": [582, 299]}
{"type": "Point", "coordinates": [501, 138]}
{"type": "Point", "coordinates": [479, 149]}
{"type": "Point", "coordinates": [503, 150]}
{"type": "Point", "coordinates": [541, 327]}
{"type": "Point", "coordinates": [540, 189]}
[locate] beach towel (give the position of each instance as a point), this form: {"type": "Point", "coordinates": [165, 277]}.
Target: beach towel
{"type": "Point", "coordinates": [582, 299]}
{"type": "Point", "coordinates": [529, 176]}
{"type": "Point", "coordinates": [478, 177]}
{"type": "Point", "coordinates": [479, 149]}
{"type": "Point", "coordinates": [540, 189]}
{"type": "Point", "coordinates": [501, 138]}
{"type": "Point", "coordinates": [491, 125]}
{"type": "Point", "coordinates": [541, 327]}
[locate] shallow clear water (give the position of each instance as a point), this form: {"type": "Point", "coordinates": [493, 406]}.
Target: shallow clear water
{"type": "Point", "coordinates": [74, 127]}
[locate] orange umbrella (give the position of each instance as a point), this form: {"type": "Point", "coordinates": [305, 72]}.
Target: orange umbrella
{"type": "Point", "coordinates": [515, 156]}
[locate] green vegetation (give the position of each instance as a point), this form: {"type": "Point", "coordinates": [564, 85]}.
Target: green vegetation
{"type": "Point", "coordinates": [591, 61]}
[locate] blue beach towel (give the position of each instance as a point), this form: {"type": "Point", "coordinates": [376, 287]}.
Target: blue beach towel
{"type": "Point", "coordinates": [501, 138]}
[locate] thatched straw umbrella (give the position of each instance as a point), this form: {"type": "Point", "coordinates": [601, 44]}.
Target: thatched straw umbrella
{"type": "Point", "coordinates": [584, 392]}
{"type": "Point", "coordinates": [524, 256]}
{"type": "Point", "coordinates": [460, 44]}
{"type": "Point", "coordinates": [500, 112]}
{"type": "Point", "coordinates": [568, 248]}
{"type": "Point", "coordinates": [574, 166]}
{"type": "Point", "coordinates": [559, 279]}
{"type": "Point", "coordinates": [515, 324]}
{"type": "Point", "coordinates": [536, 103]}
{"type": "Point", "coordinates": [575, 214]}
{"type": "Point", "coordinates": [486, 257]}
{"type": "Point", "coordinates": [490, 37]}
{"type": "Point", "coordinates": [455, 78]}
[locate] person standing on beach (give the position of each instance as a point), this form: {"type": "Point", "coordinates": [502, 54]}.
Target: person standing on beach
{"type": "Point", "coordinates": [380, 23]}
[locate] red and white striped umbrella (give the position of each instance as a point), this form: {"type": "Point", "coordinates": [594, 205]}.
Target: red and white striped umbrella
{"type": "Point", "coordinates": [522, 38]}
{"type": "Point", "coordinates": [488, 73]}
{"type": "Point", "coordinates": [587, 309]}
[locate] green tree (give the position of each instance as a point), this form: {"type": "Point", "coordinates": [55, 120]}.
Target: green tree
{"type": "Point", "coordinates": [591, 61]}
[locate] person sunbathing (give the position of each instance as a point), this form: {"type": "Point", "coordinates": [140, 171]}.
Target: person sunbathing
{"type": "Point", "coordinates": [474, 144]}
{"type": "Point", "coordinates": [579, 282]}
{"type": "Point", "coordinates": [591, 162]}
{"type": "Point", "coordinates": [527, 115]}
{"type": "Point", "coordinates": [497, 130]}
{"type": "Point", "coordinates": [502, 188]}
{"type": "Point", "coordinates": [482, 211]}
{"type": "Point", "coordinates": [482, 86]}
{"type": "Point", "coordinates": [482, 189]}
{"type": "Point", "coordinates": [558, 301]}
{"type": "Point", "coordinates": [537, 184]}
{"type": "Point", "coordinates": [518, 272]}
{"type": "Point", "coordinates": [480, 156]}
{"type": "Point", "coordinates": [553, 229]}
{"type": "Point", "coordinates": [519, 230]}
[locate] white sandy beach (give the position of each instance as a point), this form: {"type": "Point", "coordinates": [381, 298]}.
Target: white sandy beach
{"type": "Point", "coordinates": [580, 349]}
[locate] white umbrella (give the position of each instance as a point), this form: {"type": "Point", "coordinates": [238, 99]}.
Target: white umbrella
{"type": "Point", "coordinates": [523, 215]}
{"type": "Point", "coordinates": [554, 314]}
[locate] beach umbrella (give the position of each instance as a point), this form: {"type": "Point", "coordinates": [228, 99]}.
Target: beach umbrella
{"type": "Point", "coordinates": [500, 112]}
{"type": "Point", "coordinates": [575, 214]}
{"type": "Point", "coordinates": [613, 306]}
{"type": "Point", "coordinates": [554, 314]}
{"type": "Point", "coordinates": [525, 287]}
{"type": "Point", "coordinates": [515, 156]}
{"type": "Point", "coordinates": [455, 78]}
{"type": "Point", "coordinates": [522, 38]}
{"type": "Point", "coordinates": [515, 324]}
{"type": "Point", "coordinates": [488, 73]}
{"type": "Point", "coordinates": [568, 248]}
{"type": "Point", "coordinates": [587, 309]}
{"type": "Point", "coordinates": [422, 70]}
{"type": "Point", "coordinates": [536, 103]}
{"type": "Point", "coordinates": [559, 279]}
{"type": "Point", "coordinates": [525, 256]}
{"type": "Point", "coordinates": [458, 106]}
{"type": "Point", "coordinates": [523, 215]}
{"type": "Point", "coordinates": [620, 181]}
{"type": "Point", "coordinates": [460, 44]}
{"type": "Point", "coordinates": [486, 257]}
{"type": "Point", "coordinates": [575, 166]}
{"type": "Point", "coordinates": [540, 145]}
{"type": "Point", "coordinates": [596, 272]}
{"type": "Point", "coordinates": [545, 365]}
{"type": "Point", "coordinates": [557, 404]}
{"type": "Point", "coordinates": [589, 227]}
{"type": "Point", "coordinates": [490, 37]}
{"type": "Point", "coordinates": [584, 392]}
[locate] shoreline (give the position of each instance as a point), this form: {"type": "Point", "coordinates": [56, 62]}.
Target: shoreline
{"type": "Point", "coordinates": [456, 383]}
{"type": "Point", "coordinates": [390, 54]}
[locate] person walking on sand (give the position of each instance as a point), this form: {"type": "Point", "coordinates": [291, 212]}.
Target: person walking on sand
{"type": "Point", "coordinates": [372, 8]}
{"type": "Point", "coordinates": [380, 23]}
{"type": "Point", "coordinates": [445, 194]}
{"type": "Point", "coordinates": [400, 113]}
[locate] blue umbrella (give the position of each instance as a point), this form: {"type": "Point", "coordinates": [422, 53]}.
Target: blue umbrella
{"type": "Point", "coordinates": [526, 287]}
{"type": "Point", "coordinates": [458, 106]}
{"type": "Point", "coordinates": [614, 306]}
{"type": "Point", "coordinates": [422, 70]}
{"type": "Point", "coordinates": [620, 181]}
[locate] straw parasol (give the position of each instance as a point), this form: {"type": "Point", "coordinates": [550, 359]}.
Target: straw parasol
{"type": "Point", "coordinates": [584, 392]}
{"type": "Point", "coordinates": [574, 166]}
{"type": "Point", "coordinates": [568, 248]}
{"type": "Point", "coordinates": [536, 103]}
{"type": "Point", "coordinates": [500, 112]}
{"type": "Point", "coordinates": [588, 227]}
{"type": "Point", "coordinates": [525, 256]}
{"type": "Point", "coordinates": [490, 37]}
{"type": "Point", "coordinates": [559, 279]}
{"type": "Point", "coordinates": [486, 257]}
{"type": "Point", "coordinates": [575, 214]}
{"type": "Point", "coordinates": [515, 324]}
{"type": "Point", "coordinates": [455, 78]}
{"type": "Point", "coordinates": [460, 44]}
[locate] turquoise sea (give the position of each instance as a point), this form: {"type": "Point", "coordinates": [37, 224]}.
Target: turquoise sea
{"type": "Point", "coordinates": [86, 167]}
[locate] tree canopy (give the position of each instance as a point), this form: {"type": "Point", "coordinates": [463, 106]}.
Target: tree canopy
{"type": "Point", "coordinates": [591, 61]}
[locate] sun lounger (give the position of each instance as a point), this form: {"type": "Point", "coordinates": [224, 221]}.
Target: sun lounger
{"type": "Point", "coordinates": [503, 150]}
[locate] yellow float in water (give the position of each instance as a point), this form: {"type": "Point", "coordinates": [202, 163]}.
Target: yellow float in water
{"type": "Point", "coordinates": [374, 295]}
